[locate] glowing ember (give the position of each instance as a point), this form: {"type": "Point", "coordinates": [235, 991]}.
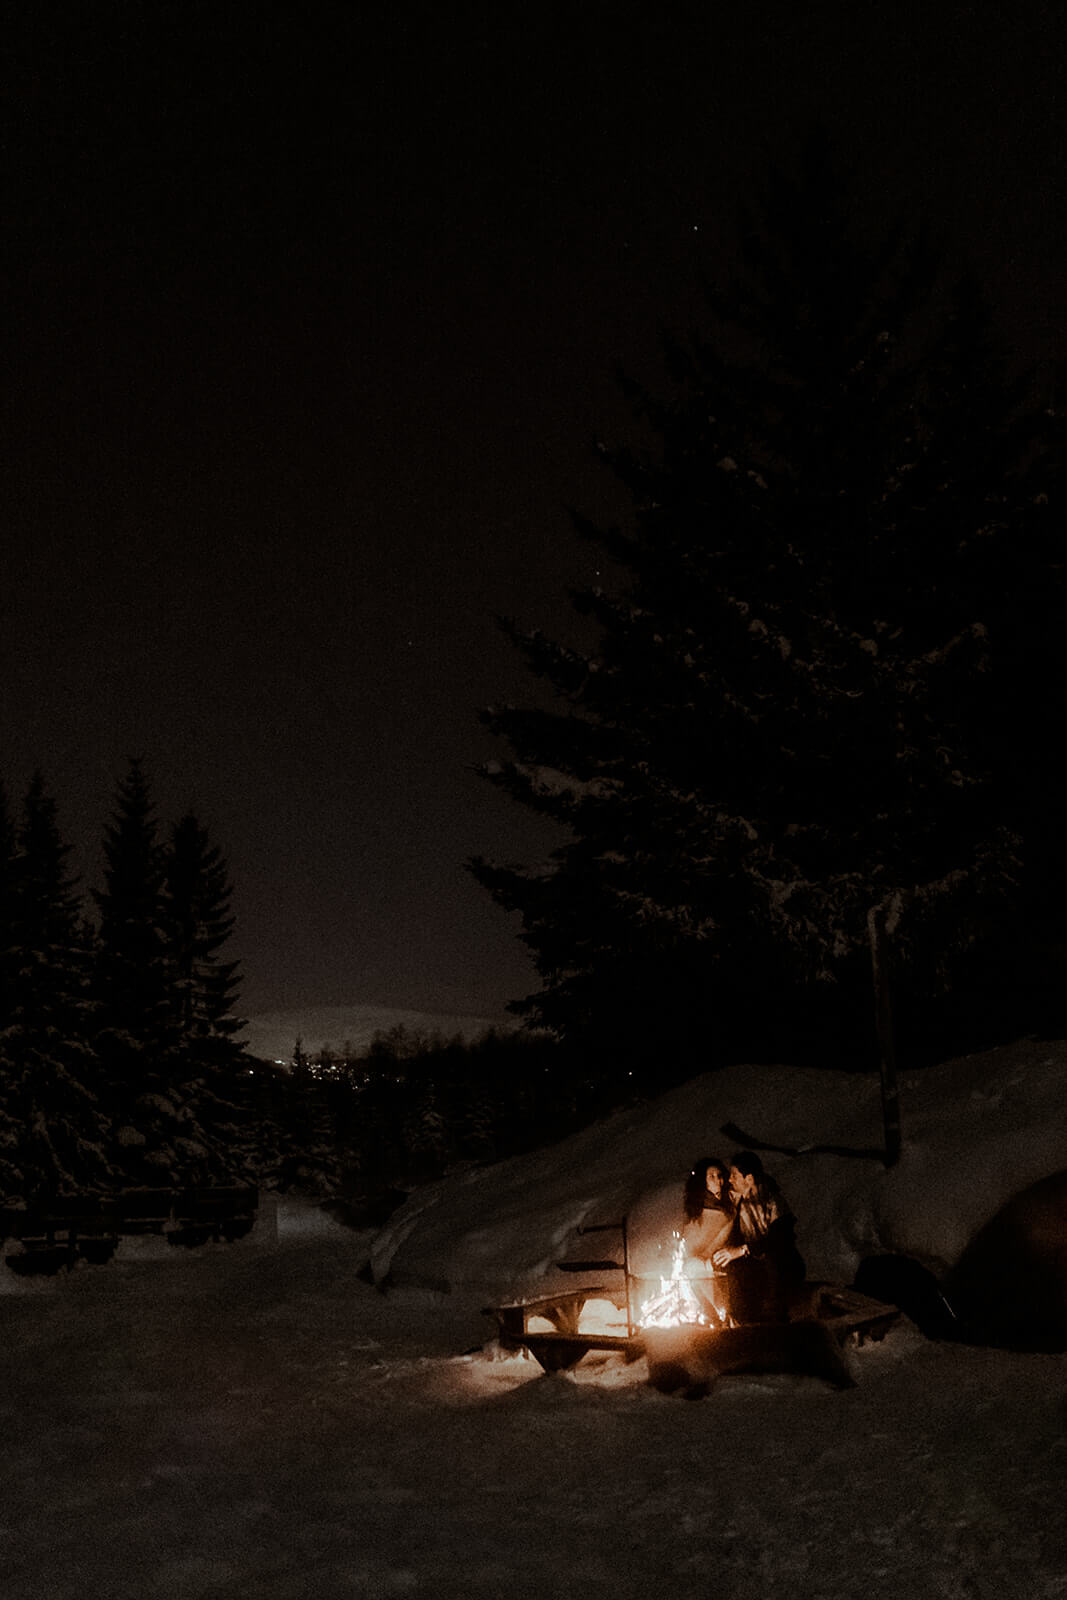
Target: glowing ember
{"type": "Point", "coordinates": [676, 1303]}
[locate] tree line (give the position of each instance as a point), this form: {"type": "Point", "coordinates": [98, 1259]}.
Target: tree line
{"type": "Point", "coordinates": [364, 1126]}
{"type": "Point", "coordinates": [122, 1066]}
{"type": "Point", "coordinates": [119, 1059]}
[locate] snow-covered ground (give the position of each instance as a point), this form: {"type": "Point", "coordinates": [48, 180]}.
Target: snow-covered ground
{"type": "Point", "coordinates": [258, 1422]}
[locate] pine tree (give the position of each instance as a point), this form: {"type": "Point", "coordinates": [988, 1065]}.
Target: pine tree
{"type": "Point", "coordinates": [130, 985]}
{"type": "Point", "coordinates": [196, 923]}
{"type": "Point", "coordinates": [206, 1067]}
{"type": "Point", "coordinates": [791, 717]}
{"type": "Point", "coordinates": [7, 911]}
{"type": "Point", "coordinates": [10, 1125]}
{"type": "Point", "coordinates": [167, 1000]}
{"type": "Point", "coordinates": [51, 981]}
{"type": "Point", "coordinates": [54, 1121]}
{"type": "Point", "coordinates": [155, 1135]}
{"type": "Point", "coordinates": [131, 971]}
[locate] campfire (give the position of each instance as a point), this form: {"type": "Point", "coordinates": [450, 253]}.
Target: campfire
{"type": "Point", "coordinates": [677, 1304]}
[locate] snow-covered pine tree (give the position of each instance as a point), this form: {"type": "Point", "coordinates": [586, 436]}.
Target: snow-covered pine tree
{"type": "Point", "coordinates": [137, 1030]}
{"type": "Point", "coordinates": [197, 922]}
{"type": "Point", "coordinates": [54, 1116]}
{"type": "Point", "coordinates": [7, 910]}
{"type": "Point", "coordinates": [790, 718]}
{"type": "Point", "coordinates": [196, 1120]}
{"type": "Point", "coordinates": [10, 1128]}
{"type": "Point", "coordinates": [1029, 970]}
{"type": "Point", "coordinates": [131, 973]}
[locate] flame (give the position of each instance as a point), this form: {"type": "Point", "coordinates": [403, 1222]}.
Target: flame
{"type": "Point", "coordinates": [676, 1304]}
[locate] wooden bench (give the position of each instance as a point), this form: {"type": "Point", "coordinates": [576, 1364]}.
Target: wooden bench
{"type": "Point", "coordinates": [852, 1318]}
{"type": "Point", "coordinates": [216, 1214]}
{"type": "Point", "coordinates": [145, 1210]}
{"type": "Point", "coordinates": [55, 1236]}
{"type": "Point", "coordinates": [563, 1346]}
{"type": "Point", "coordinates": [89, 1227]}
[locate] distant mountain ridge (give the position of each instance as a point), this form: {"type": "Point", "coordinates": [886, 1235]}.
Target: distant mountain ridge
{"type": "Point", "coordinates": [271, 1035]}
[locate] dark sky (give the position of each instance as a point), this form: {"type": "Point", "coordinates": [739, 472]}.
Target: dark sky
{"type": "Point", "coordinates": [309, 325]}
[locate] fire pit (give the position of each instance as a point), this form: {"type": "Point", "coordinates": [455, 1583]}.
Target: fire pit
{"type": "Point", "coordinates": [677, 1303]}
{"type": "Point", "coordinates": [688, 1344]}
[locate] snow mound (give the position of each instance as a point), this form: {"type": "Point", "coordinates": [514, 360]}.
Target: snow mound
{"type": "Point", "coordinates": [977, 1130]}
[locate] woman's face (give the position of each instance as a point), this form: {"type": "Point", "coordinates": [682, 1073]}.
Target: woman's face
{"type": "Point", "coordinates": [713, 1182]}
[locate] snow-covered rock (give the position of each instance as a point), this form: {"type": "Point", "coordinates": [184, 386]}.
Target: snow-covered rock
{"type": "Point", "coordinates": [977, 1130]}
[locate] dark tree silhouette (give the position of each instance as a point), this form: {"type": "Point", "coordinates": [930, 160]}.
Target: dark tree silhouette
{"type": "Point", "coordinates": [7, 911]}
{"type": "Point", "coordinates": [53, 1120]}
{"type": "Point", "coordinates": [131, 977]}
{"type": "Point", "coordinates": [797, 712]}
{"type": "Point", "coordinates": [119, 1061]}
{"type": "Point", "coordinates": [166, 1034]}
{"type": "Point", "coordinates": [52, 976]}
{"type": "Point", "coordinates": [201, 1125]}
{"type": "Point", "coordinates": [196, 923]}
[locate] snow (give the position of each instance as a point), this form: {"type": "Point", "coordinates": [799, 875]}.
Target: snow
{"type": "Point", "coordinates": [258, 1422]}
{"type": "Point", "coordinates": [976, 1131]}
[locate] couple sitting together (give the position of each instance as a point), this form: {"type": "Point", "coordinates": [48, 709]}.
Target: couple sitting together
{"type": "Point", "coordinates": [740, 1241]}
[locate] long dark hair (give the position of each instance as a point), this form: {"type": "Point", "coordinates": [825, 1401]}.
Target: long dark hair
{"type": "Point", "coordinates": [696, 1186]}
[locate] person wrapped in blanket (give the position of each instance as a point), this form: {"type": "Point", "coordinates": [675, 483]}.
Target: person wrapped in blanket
{"type": "Point", "coordinates": [764, 1269]}
{"type": "Point", "coordinates": [708, 1224]}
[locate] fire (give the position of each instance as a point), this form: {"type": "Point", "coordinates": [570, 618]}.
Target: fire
{"type": "Point", "coordinates": [676, 1304]}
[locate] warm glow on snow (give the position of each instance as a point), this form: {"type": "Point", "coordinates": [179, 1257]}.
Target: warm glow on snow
{"type": "Point", "coordinates": [602, 1316]}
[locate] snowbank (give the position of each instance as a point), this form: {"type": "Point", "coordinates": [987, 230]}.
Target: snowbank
{"type": "Point", "coordinates": [977, 1130]}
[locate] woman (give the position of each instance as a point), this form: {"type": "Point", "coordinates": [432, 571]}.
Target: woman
{"type": "Point", "coordinates": [708, 1224]}
{"type": "Point", "coordinates": [763, 1266]}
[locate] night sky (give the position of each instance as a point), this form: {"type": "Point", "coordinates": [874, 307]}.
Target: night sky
{"type": "Point", "coordinates": [309, 325]}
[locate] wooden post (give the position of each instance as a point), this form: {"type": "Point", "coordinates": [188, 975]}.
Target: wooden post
{"type": "Point", "coordinates": [883, 1014]}
{"type": "Point", "coordinates": [626, 1272]}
